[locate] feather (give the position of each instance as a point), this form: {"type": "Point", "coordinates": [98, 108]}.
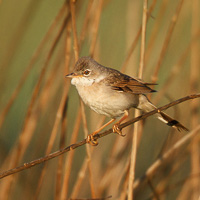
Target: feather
{"type": "Point", "coordinates": [123, 83]}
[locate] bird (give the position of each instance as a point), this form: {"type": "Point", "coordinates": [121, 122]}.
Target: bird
{"type": "Point", "coordinates": [109, 92]}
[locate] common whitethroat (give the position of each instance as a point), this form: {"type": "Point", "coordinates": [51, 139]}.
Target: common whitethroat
{"type": "Point", "coordinates": [112, 93]}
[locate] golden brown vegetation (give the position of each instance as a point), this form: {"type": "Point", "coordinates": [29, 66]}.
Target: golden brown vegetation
{"type": "Point", "coordinates": [40, 112]}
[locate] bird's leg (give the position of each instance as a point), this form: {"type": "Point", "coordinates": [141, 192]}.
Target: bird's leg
{"type": "Point", "coordinates": [90, 138]}
{"type": "Point", "coordinates": [116, 128]}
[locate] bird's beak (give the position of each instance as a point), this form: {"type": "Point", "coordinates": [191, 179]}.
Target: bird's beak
{"type": "Point", "coordinates": [72, 75]}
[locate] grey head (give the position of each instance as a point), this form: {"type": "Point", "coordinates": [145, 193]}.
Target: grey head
{"type": "Point", "coordinates": [88, 68]}
{"type": "Point", "coordinates": [87, 72]}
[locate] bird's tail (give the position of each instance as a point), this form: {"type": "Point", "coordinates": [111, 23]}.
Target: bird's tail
{"type": "Point", "coordinates": [146, 106]}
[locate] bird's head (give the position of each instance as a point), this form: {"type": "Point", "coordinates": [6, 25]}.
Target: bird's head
{"type": "Point", "coordinates": [86, 72]}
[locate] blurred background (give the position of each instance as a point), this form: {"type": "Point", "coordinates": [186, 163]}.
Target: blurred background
{"type": "Point", "coordinates": [40, 110]}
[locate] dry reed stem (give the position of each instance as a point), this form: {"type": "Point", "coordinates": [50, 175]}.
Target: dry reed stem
{"type": "Point", "coordinates": [124, 174]}
{"type": "Point", "coordinates": [104, 133]}
{"type": "Point", "coordinates": [79, 180]}
{"type": "Point", "coordinates": [162, 185]}
{"type": "Point", "coordinates": [73, 19]}
{"type": "Point", "coordinates": [69, 159]}
{"type": "Point", "coordinates": [60, 172]}
{"type": "Point", "coordinates": [98, 154]}
{"type": "Point", "coordinates": [96, 27]}
{"type": "Point", "coordinates": [51, 84]}
{"type": "Point", "coordinates": [85, 162]}
{"type": "Point", "coordinates": [152, 169]}
{"type": "Point", "coordinates": [167, 40]}
{"type": "Point", "coordinates": [85, 22]}
{"type": "Point", "coordinates": [58, 115]}
{"type": "Point", "coordinates": [178, 184]}
{"type": "Point", "coordinates": [136, 39]}
{"type": "Point", "coordinates": [194, 81]}
{"type": "Point", "coordinates": [174, 167]}
{"type": "Point", "coordinates": [59, 183]}
{"type": "Point", "coordinates": [155, 30]}
{"type": "Point", "coordinates": [76, 53]}
{"type": "Point", "coordinates": [88, 151]}
{"type": "Point", "coordinates": [118, 149]}
{"type": "Point", "coordinates": [153, 189]}
{"type": "Point", "coordinates": [143, 39]}
{"type": "Point", "coordinates": [176, 68]}
{"type": "Point", "coordinates": [123, 194]}
{"type": "Point", "coordinates": [137, 112]}
{"type": "Point", "coordinates": [53, 137]}
{"type": "Point", "coordinates": [103, 198]}
{"type": "Point", "coordinates": [115, 154]}
{"type": "Point", "coordinates": [16, 39]}
{"type": "Point", "coordinates": [61, 159]}
{"type": "Point", "coordinates": [26, 134]}
{"type": "Point", "coordinates": [30, 65]}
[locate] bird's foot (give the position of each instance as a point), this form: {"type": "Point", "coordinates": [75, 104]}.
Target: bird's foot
{"type": "Point", "coordinates": [117, 130]}
{"type": "Point", "coordinates": [90, 140]}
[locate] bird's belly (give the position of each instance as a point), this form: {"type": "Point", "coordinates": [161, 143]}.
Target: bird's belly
{"type": "Point", "coordinates": [107, 101]}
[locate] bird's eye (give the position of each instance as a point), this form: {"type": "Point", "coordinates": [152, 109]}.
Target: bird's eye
{"type": "Point", "coordinates": [86, 72]}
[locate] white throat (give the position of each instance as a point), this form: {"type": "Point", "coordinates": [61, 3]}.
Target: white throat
{"type": "Point", "coordinates": [83, 81]}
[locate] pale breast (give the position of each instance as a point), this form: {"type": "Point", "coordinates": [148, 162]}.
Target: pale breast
{"type": "Point", "coordinates": [103, 100]}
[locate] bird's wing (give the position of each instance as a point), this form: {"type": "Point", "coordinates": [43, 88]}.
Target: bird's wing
{"type": "Point", "coordinates": [123, 83]}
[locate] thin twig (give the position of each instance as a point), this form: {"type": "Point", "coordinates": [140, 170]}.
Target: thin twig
{"type": "Point", "coordinates": [97, 136]}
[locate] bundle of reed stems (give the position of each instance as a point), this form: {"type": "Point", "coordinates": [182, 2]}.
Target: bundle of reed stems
{"type": "Point", "coordinates": [43, 123]}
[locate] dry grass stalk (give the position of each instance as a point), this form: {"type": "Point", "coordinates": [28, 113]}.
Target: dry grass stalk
{"type": "Point", "coordinates": [30, 66]}
{"type": "Point", "coordinates": [152, 169]}
{"type": "Point", "coordinates": [30, 119]}
{"type": "Point", "coordinates": [136, 39]}
{"type": "Point", "coordinates": [85, 23]}
{"type": "Point", "coordinates": [96, 27]}
{"type": "Point", "coordinates": [137, 112]}
{"type": "Point", "coordinates": [194, 80]}
{"type": "Point", "coordinates": [89, 152]}
{"type": "Point", "coordinates": [17, 38]}
{"type": "Point", "coordinates": [176, 69]}
{"type": "Point", "coordinates": [110, 158]}
{"type": "Point", "coordinates": [73, 19]}
{"type": "Point", "coordinates": [69, 159]}
{"type": "Point", "coordinates": [167, 40]}
{"type": "Point", "coordinates": [61, 159]}
{"type": "Point", "coordinates": [53, 135]}
{"type": "Point", "coordinates": [155, 30]}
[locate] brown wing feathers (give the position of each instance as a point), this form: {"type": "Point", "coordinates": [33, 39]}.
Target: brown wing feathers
{"type": "Point", "coordinates": [130, 85]}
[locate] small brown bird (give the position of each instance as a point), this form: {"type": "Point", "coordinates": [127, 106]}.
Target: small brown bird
{"type": "Point", "coordinates": [111, 93]}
